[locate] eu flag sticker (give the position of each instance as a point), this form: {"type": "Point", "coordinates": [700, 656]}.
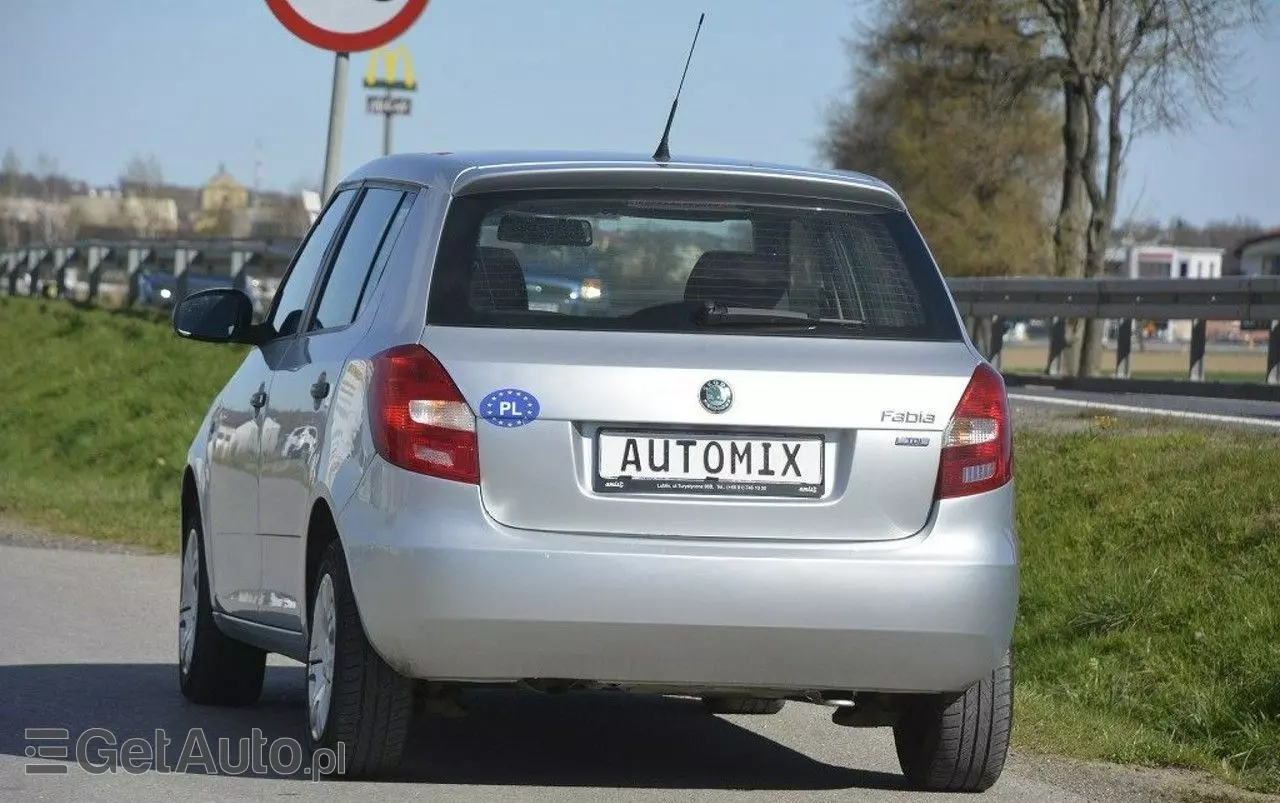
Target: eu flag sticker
{"type": "Point", "coordinates": [509, 407]}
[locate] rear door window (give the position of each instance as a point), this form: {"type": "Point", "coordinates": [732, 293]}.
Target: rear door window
{"type": "Point", "coordinates": [384, 252]}
{"type": "Point", "coordinates": [366, 239]}
{"type": "Point", "coordinates": [688, 262]}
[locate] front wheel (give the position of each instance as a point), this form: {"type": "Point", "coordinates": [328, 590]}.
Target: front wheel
{"type": "Point", "coordinates": [357, 706]}
{"type": "Point", "coordinates": [958, 743]}
{"type": "Point", "coordinates": [213, 668]}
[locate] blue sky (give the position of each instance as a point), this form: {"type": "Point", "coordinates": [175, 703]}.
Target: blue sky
{"type": "Point", "coordinates": [198, 82]}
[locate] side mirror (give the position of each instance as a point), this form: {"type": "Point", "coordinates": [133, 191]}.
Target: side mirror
{"type": "Point", "coordinates": [219, 315]}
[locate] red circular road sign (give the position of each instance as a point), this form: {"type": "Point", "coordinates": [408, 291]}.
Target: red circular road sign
{"type": "Point", "coordinates": [347, 26]}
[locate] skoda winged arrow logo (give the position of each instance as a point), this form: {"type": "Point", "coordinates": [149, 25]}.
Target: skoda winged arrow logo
{"type": "Point", "coordinates": [716, 395]}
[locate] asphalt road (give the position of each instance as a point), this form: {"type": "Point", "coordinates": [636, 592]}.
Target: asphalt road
{"type": "Point", "coordinates": [1192, 409]}
{"type": "Point", "coordinates": [87, 641]}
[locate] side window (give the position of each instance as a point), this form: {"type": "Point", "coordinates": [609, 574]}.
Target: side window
{"type": "Point", "coordinates": [384, 252]}
{"type": "Point", "coordinates": [340, 297]}
{"type": "Point", "coordinates": [293, 294]}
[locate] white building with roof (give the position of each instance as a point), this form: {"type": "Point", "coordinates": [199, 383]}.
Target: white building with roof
{"type": "Point", "coordinates": [1150, 261]}
{"type": "Point", "coordinates": [1154, 261]}
{"type": "Point", "coordinates": [1260, 256]}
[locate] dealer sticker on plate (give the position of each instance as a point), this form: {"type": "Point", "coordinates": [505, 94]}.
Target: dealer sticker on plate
{"type": "Point", "coordinates": [630, 462]}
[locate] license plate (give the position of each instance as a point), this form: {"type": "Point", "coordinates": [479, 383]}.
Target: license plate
{"type": "Point", "coordinates": [629, 462]}
{"type": "Point", "coordinates": [544, 306]}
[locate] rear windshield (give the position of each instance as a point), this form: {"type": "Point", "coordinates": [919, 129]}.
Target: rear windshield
{"type": "Point", "coordinates": [708, 263]}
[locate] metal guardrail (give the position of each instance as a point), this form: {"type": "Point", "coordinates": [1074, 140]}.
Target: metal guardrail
{"type": "Point", "coordinates": [42, 267]}
{"type": "Point", "coordinates": [987, 302]}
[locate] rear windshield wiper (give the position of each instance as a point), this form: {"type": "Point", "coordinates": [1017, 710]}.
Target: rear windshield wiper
{"type": "Point", "coordinates": [712, 314]}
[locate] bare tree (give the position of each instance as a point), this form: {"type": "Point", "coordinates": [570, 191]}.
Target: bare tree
{"type": "Point", "coordinates": [10, 179]}
{"type": "Point", "coordinates": [224, 221]}
{"type": "Point", "coordinates": [941, 109]}
{"type": "Point", "coordinates": [1126, 68]}
{"type": "Point", "coordinates": [142, 207]}
{"type": "Point", "coordinates": [10, 172]}
{"type": "Point", "coordinates": [142, 172]}
{"type": "Point", "coordinates": [52, 220]}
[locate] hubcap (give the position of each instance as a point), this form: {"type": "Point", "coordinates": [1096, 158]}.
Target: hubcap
{"type": "Point", "coordinates": [189, 602]}
{"type": "Point", "coordinates": [320, 658]}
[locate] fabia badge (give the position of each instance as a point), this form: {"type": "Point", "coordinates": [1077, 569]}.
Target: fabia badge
{"type": "Point", "coordinates": [716, 395]}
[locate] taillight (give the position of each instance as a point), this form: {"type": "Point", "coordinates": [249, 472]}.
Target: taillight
{"type": "Point", "coordinates": [977, 446]}
{"type": "Point", "coordinates": [418, 417]}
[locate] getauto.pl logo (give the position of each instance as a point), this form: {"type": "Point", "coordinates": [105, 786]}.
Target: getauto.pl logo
{"type": "Point", "coordinates": [99, 751]}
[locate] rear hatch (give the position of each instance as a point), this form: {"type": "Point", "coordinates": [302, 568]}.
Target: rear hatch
{"type": "Point", "coordinates": [763, 369]}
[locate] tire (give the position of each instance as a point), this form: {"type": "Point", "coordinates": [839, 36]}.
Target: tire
{"type": "Point", "coordinates": [213, 668]}
{"type": "Point", "coordinates": [369, 705]}
{"type": "Point", "coordinates": [742, 705]}
{"type": "Point", "coordinates": [958, 743]}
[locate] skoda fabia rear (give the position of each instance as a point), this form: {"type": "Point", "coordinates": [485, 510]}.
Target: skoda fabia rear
{"type": "Point", "coordinates": [738, 449]}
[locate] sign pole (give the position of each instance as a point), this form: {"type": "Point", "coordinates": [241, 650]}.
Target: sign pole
{"type": "Point", "coordinates": [343, 28]}
{"type": "Point", "coordinates": [337, 110]}
{"type": "Point", "coordinates": [386, 128]}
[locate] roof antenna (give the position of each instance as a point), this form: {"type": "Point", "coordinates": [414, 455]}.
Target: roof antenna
{"type": "Point", "coordinates": [663, 153]}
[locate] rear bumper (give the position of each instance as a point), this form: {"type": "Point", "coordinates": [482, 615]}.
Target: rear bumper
{"type": "Point", "coordinates": [446, 593]}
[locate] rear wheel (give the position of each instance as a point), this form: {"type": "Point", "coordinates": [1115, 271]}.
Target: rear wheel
{"type": "Point", "coordinates": [742, 705]}
{"type": "Point", "coordinates": [958, 743]}
{"type": "Point", "coordinates": [354, 699]}
{"type": "Point", "coordinates": [213, 668]}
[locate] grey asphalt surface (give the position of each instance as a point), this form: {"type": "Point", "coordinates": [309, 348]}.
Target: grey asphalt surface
{"type": "Point", "coordinates": [1259, 411]}
{"type": "Point", "coordinates": [87, 639]}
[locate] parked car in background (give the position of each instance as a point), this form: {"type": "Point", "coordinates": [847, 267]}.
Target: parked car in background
{"type": "Point", "coordinates": [1016, 330]}
{"type": "Point", "coordinates": [571, 289]}
{"type": "Point", "coordinates": [160, 289]}
{"type": "Point", "coordinates": [772, 468]}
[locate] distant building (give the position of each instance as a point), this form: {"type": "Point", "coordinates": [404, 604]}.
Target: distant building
{"type": "Point", "coordinates": [1260, 256]}
{"type": "Point", "coordinates": [223, 191]}
{"type": "Point", "coordinates": [31, 220]}
{"type": "Point", "coordinates": [311, 203]}
{"type": "Point", "coordinates": [229, 209]}
{"type": "Point", "coordinates": [276, 214]}
{"type": "Point", "coordinates": [1154, 261]}
{"type": "Point", "coordinates": [57, 209]}
{"type": "Point", "coordinates": [1150, 261]}
{"type": "Point", "coordinates": [107, 213]}
{"type": "Point", "coordinates": [223, 205]}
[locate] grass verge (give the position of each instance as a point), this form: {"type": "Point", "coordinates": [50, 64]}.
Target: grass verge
{"type": "Point", "coordinates": [97, 411]}
{"type": "Point", "coordinates": [1149, 613]}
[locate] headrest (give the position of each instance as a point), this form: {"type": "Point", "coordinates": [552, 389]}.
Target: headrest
{"type": "Point", "coordinates": [497, 281]}
{"type": "Point", "coordinates": [737, 279]}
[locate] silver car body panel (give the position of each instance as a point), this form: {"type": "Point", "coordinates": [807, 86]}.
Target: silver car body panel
{"type": "Point", "coordinates": [538, 476]}
{"type": "Point", "coordinates": [447, 593]}
{"type": "Point", "coordinates": [532, 574]}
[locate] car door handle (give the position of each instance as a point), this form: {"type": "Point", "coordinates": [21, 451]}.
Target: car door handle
{"type": "Point", "coordinates": [320, 389]}
{"type": "Point", "coordinates": [258, 400]}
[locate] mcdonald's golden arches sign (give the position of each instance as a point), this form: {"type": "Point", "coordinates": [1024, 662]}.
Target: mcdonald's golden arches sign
{"type": "Point", "coordinates": [390, 59]}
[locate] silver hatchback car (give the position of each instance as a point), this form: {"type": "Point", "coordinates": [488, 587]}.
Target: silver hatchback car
{"type": "Point", "coordinates": [751, 457]}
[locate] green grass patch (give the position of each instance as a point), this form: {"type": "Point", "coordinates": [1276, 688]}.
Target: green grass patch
{"type": "Point", "coordinates": [1150, 614]}
{"type": "Point", "coordinates": [97, 412]}
{"type": "Point", "coordinates": [1150, 618]}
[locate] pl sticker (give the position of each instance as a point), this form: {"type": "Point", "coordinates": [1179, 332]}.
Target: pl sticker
{"type": "Point", "coordinates": [509, 407]}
